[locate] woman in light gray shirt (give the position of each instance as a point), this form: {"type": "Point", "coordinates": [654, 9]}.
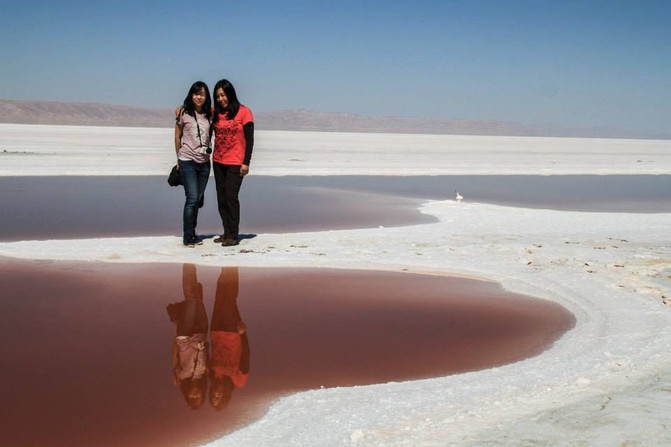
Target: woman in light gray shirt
{"type": "Point", "coordinates": [192, 146]}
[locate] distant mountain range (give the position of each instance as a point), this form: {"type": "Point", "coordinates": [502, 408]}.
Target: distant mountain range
{"type": "Point", "coordinates": [89, 114]}
{"type": "Point", "coordinates": [82, 114]}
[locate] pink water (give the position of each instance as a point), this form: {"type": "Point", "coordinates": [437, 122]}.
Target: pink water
{"type": "Point", "coordinates": [87, 354]}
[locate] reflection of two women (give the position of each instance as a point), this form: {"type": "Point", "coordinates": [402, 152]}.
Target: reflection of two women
{"type": "Point", "coordinates": [227, 366]}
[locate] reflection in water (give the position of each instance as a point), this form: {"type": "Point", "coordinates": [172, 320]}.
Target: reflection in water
{"type": "Point", "coordinates": [189, 348]}
{"type": "Point", "coordinates": [373, 327]}
{"type": "Point", "coordinates": [227, 367]}
{"type": "Point", "coordinates": [230, 345]}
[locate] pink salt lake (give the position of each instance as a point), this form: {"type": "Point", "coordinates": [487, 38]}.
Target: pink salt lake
{"type": "Point", "coordinates": [87, 354]}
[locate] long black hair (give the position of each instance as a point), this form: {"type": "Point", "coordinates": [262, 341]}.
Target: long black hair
{"type": "Point", "coordinates": [190, 107]}
{"type": "Point", "coordinates": [233, 103]}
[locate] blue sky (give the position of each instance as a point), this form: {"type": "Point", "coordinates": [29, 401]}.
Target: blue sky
{"type": "Point", "coordinates": [573, 63]}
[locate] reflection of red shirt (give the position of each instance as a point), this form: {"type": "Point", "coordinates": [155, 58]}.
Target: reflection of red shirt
{"type": "Point", "coordinates": [229, 137]}
{"type": "Point", "coordinates": [226, 356]}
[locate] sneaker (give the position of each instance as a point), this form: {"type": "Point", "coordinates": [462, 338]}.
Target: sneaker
{"type": "Point", "coordinates": [229, 242]}
{"type": "Point", "coordinates": [191, 241]}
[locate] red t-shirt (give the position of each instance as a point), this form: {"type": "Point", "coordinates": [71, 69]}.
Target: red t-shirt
{"type": "Point", "coordinates": [227, 356]}
{"type": "Point", "coordinates": [229, 138]}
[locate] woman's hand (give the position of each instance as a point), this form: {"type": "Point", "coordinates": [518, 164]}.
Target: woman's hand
{"type": "Point", "coordinates": [242, 328]}
{"type": "Point", "coordinates": [244, 170]}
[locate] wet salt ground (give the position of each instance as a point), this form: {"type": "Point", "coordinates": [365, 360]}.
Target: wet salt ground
{"type": "Point", "coordinates": [91, 361]}
{"type": "Point", "coordinates": [83, 207]}
{"type": "Point", "coordinates": [117, 206]}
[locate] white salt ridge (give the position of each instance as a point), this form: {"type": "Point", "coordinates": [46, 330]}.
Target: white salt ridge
{"type": "Point", "coordinates": [606, 382]}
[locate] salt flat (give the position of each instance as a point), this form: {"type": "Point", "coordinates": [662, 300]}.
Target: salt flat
{"type": "Point", "coordinates": [606, 382]}
{"type": "Point", "coordinates": [78, 150]}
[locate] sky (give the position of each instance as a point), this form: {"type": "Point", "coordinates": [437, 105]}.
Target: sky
{"type": "Point", "coordinates": [570, 63]}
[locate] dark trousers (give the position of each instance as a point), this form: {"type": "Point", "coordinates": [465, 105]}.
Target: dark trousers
{"type": "Point", "coordinates": [228, 181]}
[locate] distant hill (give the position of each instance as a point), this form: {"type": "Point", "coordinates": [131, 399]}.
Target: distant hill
{"type": "Point", "coordinates": [349, 122]}
{"type": "Point", "coordinates": [82, 114]}
{"type": "Point", "coordinates": [89, 114]}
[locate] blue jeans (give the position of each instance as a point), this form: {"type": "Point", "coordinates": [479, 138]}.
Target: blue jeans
{"type": "Point", "coordinates": [194, 179]}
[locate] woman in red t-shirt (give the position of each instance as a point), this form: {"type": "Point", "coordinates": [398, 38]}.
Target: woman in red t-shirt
{"type": "Point", "coordinates": [233, 126]}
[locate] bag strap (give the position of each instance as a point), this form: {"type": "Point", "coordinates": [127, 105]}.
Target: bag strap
{"type": "Point", "coordinates": [198, 127]}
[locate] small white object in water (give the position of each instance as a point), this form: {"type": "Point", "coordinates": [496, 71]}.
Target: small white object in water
{"type": "Point", "coordinates": [459, 197]}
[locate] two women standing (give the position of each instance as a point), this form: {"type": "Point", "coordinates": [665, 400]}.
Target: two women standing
{"type": "Point", "coordinates": [233, 126]}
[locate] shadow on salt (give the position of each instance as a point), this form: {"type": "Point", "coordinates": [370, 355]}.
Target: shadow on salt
{"type": "Point", "coordinates": [92, 361]}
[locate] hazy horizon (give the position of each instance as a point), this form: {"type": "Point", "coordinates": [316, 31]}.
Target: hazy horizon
{"type": "Point", "coordinates": [96, 114]}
